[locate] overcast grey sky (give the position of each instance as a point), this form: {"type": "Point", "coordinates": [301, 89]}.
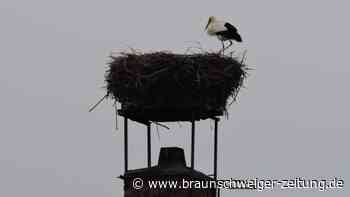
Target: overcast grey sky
{"type": "Point", "coordinates": [292, 119]}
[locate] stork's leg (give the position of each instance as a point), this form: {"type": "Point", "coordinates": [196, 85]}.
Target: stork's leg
{"type": "Point", "coordinates": [223, 48]}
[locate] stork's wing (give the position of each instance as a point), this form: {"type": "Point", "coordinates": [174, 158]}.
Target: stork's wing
{"type": "Point", "coordinates": [230, 27]}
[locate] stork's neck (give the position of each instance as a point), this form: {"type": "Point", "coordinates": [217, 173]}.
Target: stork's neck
{"type": "Point", "coordinates": [213, 27]}
{"type": "Point", "coordinates": [213, 19]}
{"type": "Point", "coordinates": [211, 31]}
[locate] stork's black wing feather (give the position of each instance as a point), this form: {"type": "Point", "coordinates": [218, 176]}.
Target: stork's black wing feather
{"type": "Point", "coordinates": [230, 33]}
{"type": "Point", "coordinates": [230, 27]}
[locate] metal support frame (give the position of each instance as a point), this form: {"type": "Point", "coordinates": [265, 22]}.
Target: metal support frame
{"type": "Point", "coordinates": [216, 120]}
{"type": "Point", "coordinates": [126, 151]}
{"type": "Point", "coordinates": [149, 158]}
{"type": "Point", "coordinates": [149, 147]}
{"type": "Point", "coordinates": [216, 149]}
{"type": "Point", "coordinates": [193, 123]}
{"type": "Point", "coordinates": [126, 144]}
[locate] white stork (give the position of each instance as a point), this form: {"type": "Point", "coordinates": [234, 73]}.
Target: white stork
{"type": "Point", "coordinates": [224, 31]}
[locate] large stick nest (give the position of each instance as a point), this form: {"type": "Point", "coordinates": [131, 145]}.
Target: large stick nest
{"type": "Point", "coordinates": [164, 81]}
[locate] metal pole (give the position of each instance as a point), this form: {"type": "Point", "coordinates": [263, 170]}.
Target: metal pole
{"type": "Point", "coordinates": [126, 144]}
{"type": "Point", "coordinates": [193, 143]}
{"type": "Point", "coordinates": [216, 153]}
{"type": "Point", "coordinates": [216, 149]}
{"type": "Point", "coordinates": [149, 159]}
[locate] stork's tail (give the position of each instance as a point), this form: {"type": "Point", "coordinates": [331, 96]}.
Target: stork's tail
{"type": "Point", "coordinates": [237, 37]}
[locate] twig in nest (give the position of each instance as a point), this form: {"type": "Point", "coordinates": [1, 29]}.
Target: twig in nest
{"type": "Point", "coordinates": [116, 115]}
{"type": "Point", "coordinates": [192, 48]}
{"type": "Point", "coordinates": [157, 129]}
{"type": "Point", "coordinates": [244, 56]}
{"type": "Point", "coordinates": [156, 73]}
{"type": "Point", "coordinates": [162, 125]}
{"type": "Point", "coordinates": [93, 107]}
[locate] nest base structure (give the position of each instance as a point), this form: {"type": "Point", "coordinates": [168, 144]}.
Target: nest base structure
{"type": "Point", "coordinates": [166, 87]}
{"type": "Point", "coordinates": [167, 115]}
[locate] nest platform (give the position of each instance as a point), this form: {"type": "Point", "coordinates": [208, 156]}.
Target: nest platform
{"type": "Point", "coordinates": [166, 87]}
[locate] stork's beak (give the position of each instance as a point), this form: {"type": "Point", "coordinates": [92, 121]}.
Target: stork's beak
{"type": "Point", "coordinates": [206, 27]}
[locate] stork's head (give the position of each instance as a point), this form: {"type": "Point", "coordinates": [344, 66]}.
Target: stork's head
{"type": "Point", "coordinates": [211, 19]}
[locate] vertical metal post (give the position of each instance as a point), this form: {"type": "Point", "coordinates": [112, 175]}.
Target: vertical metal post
{"type": "Point", "coordinates": [192, 143]}
{"type": "Point", "coordinates": [216, 153]}
{"type": "Point", "coordinates": [126, 144]}
{"type": "Point", "coordinates": [149, 159]}
{"type": "Point", "coordinates": [216, 149]}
